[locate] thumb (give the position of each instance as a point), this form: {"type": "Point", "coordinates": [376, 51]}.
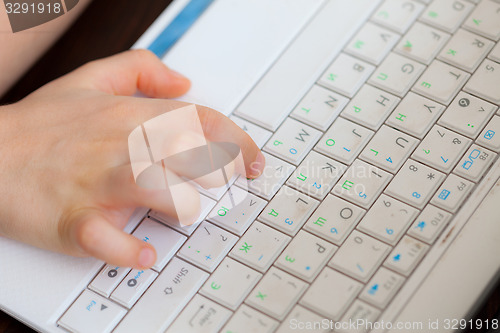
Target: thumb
{"type": "Point", "coordinates": [98, 237]}
{"type": "Point", "coordinates": [126, 73]}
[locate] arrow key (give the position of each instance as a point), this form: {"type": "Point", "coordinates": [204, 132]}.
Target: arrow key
{"type": "Point", "coordinates": [92, 313]}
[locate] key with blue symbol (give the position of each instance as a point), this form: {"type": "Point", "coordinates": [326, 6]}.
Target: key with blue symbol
{"type": "Point", "coordinates": [362, 183]}
{"type": "Point", "coordinates": [334, 219]}
{"type": "Point", "coordinates": [452, 193]}
{"type": "Point", "coordinates": [429, 224]}
{"type": "Point", "coordinates": [292, 141]}
{"type": "Point", "coordinates": [388, 219]}
{"type": "Point", "coordinates": [490, 136]}
{"type": "Point", "coordinates": [207, 246]}
{"type": "Point", "coordinates": [475, 162]}
{"type": "Point", "coordinates": [305, 256]}
{"type": "Point", "coordinates": [406, 255]}
{"type": "Point", "coordinates": [441, 148]}
{"type": "Point", "coordinates": [382, 288]}
{"type": "Point", "coordinates": [359, 256]}
{"type": "Point", "coordinates": [259, 246]}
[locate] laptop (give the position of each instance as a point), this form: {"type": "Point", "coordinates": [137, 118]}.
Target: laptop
{"type": "Point", "coordinates": [380, 122]}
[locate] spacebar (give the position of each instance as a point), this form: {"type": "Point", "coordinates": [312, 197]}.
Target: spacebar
{"type": "Point", "coordinates": [282, 87]}
{"type": "Point", "coordinates": [166, 297]}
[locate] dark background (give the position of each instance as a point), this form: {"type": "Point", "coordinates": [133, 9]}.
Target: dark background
{"type": "Point", "coordinates": [106, 28]}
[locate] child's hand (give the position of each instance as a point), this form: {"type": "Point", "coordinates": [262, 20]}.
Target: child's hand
{"type": "Point", "coordinates": [67, 183]}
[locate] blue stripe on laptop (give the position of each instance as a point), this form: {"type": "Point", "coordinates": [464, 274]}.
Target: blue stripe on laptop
{"type": "Point", "coordinates": [183, 21]}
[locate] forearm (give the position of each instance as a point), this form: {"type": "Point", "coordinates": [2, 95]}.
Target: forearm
{"type": "Point", "coordinates": [18, 51]}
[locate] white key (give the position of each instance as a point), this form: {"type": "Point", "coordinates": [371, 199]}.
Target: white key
{"type": "Point", "coordinates": [166, 297]}
{"type": "Point", "coordinates": [249, 320]}
{"type": "Point", "coordinates": [359, 256]}
{"type": "Point", "coordinates": [441, 82]}
{"type": "Point", "coordinates": [92, 313]}
{"type": "Point", "coordinates": [396, 74]}
{"type": "Point", "coordinates": [165, 241]}
{"type": "Point", "coordinates": [300, 318]}
{"type": "Point", "coordinates": [475, 163]}
{"type": "Point", "coordinates": [362, 183]}
{"type": "Point", "coordinates": [422, 43]}
{"type": "Point", "coordinates": [467, 114]}
{"type": "Point", "coordinates": [316, 175]}
{"type": "Point", "coordinates": [344, 140]}
{"type": "Point", "coordinates": [257, 133]}
{"type": "Point", "coordinates": [370, 107]}
{"type": "Point", "coordinates": [490, 137]}
{"type": "Point", "coordinates": [388, 219]}
{"type": "Point", "coordinates": [346, 75]}
{"type": "Point", "coordinates": [319, 107]}
{"type": "Point", "coordinates": [484, 20]}
{"type": "Point", "coordinates": [452, 193]}
{"type": "Point", "coordinates": [108, 279]}
{"type": "Point", "coordinates": [441, 148]}
{"type": "Point", "coordinates": [270, 181]}
{"type": "Point", "coordinates": [382, 288]}
{"type": "Point", "coordinates": [207, 246]}
{"type": "Point", "coordinates": [288, 210]}
{"type": "Point", "coordinates": [305, 256]}
{"type": "Point", "coordinates": [415, 183]}
{"type": "Point", "coordinates": [406, 256]}
{"type": "Point", "coordinates": [415, 115]}
{"type": "Point", "coordinates": [292, 141]}
{"type": "Point", "coordinates": [281, 88]}
{"type": "Point", "coordinates": [206, 205]}
{"type": "Point", "coordinates": [215, 193]}
{"type": "Point", "coordinates": [230, 283]}
{"type": "Point", "coordinates": [133, 286]}
{"type": "Point", "coordinates": [485, 82]}
{"type": "Point", "coordinates": [236, 218]}
{"type": "Point", "coordinates": [446, 15]}
{"type": "Point", "coordinates": [334, 219]}
{"type": "Point", "coordinates": [429, 224]}
{"type": "Point", "coordinates": [389, 149]}
{"type": "Point", "coordinates": [359, 311]}
{"type": "Point", "coordinates": [201, 315]}
{"type": "Point", "coordinates": [495, 54]}
{"type": "Point", "coordinates": [465, 50]}
{"type": "Point", "coordinates": [259, 246]}
{"type": "Point", "coordinates": [372, 43]}
{"type": "Point", "coordinates": [331, 285]}
{"type": "Point", "coordinates": [397, 15]}
{"type": "Point", "coordinates": [276, 293]}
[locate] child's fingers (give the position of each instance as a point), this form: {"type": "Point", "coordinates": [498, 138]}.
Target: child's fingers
{"type": "Point", "coordinates": [126, 73]}
{"type": "Point", "coordinates": [216, 127]}
{"type": "Point", "coordinates": [99, 238]}
{"type": "Point", "coordinates": [157, 188]}
{"type": "Point", "coordinates": [219, 128]}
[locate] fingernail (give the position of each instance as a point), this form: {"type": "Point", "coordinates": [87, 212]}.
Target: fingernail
{"type": "Point", "coordinates": [146, 257]}
{"type": "Point", "coordinates": [178, 75]}
{"type": "Point", "coordinates": [257, 167]}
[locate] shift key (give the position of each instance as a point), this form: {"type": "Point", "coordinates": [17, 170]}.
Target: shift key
{"type": "Point", "coordinates": [165, 299]}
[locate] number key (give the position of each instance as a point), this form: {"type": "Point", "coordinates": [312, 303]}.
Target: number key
{"type": "Point", "coordinates": [441, 148]}
{"type": "Point", "coordinates": [415, 183]}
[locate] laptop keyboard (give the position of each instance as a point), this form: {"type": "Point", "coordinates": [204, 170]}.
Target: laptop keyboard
{"type": "Point", "coordinates": [363, 175]}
